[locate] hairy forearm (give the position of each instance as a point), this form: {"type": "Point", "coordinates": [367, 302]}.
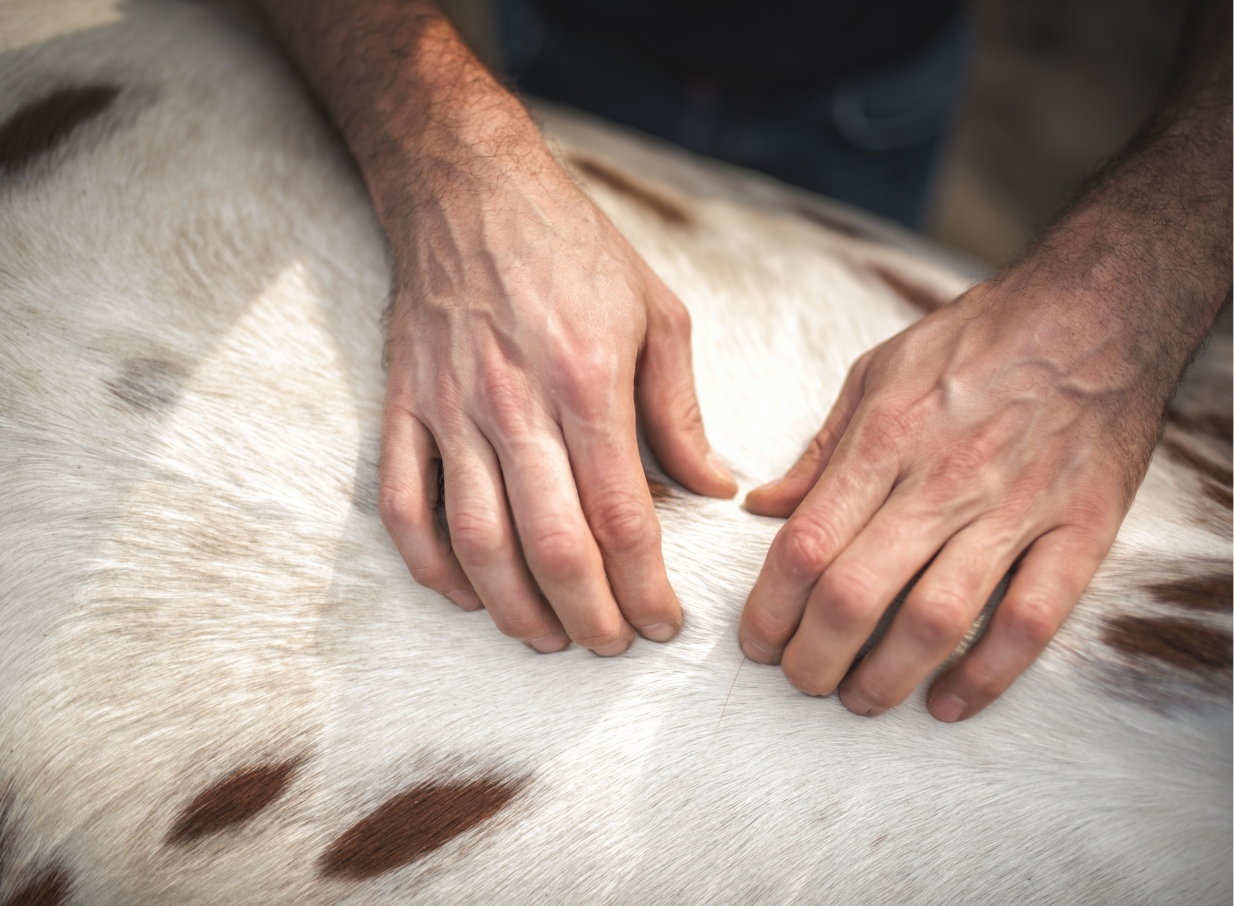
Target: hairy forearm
{"type": "Point", "coordinates": [1150, 235]}
{"type": "Point", "coordinates": [417, 110]}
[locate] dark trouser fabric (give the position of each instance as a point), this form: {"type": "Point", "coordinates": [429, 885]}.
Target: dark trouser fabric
{"type": "Point", "coordinates": [870, 139]}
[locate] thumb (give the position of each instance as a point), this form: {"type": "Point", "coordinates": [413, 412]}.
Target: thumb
{"type": "Point", "coordinates": [668, 405]}
{"type": "Point", "coordinates": [782, 496]}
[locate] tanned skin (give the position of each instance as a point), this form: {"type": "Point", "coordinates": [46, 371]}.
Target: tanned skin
{"type": "Point", "coordinates": [1014, 424]}
{"type": "Point", "coordinates": [522, 333]}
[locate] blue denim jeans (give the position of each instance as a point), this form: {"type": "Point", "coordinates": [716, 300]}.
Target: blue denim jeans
{"type": "Point", "coordinates": [871, 139]}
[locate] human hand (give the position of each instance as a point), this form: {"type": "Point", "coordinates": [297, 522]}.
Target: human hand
{"type": "Point", "coordinates": [1015, 422]}
{"type": "Point", "coordinates": [523, 332]}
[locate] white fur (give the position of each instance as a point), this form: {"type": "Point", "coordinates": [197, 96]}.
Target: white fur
{"type": "Point", "coordinates": [204, 584]}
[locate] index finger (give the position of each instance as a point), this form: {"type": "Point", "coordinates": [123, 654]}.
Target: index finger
{"type": "Point", "coordinates": [850, 490]}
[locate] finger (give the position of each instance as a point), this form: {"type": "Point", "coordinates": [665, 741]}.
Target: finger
{"type": "Point", "coordinates": [667, 401]}
{"type": "Point", "coordinates": [858, 587]}
{"type": "Point", "coordinates": [558, 544]}
{"type": "Point", "coordinates": [832, 514]}
{"type": "Point", "coordinates": [1049, 581]}
{"type": "Point", "coordinates": [407, 501]}
{"type": "Point", "coordinates": [782, 496]}
{"type": "Point", "coordinates": [934, 618]}
{"type": "Point", "coordinates": [487, 547]}
{"type": "Point", "coordinates": [619, 510]}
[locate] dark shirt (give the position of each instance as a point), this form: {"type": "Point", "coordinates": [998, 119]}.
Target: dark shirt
{"type": "Point", "coordinates": [789, 44]}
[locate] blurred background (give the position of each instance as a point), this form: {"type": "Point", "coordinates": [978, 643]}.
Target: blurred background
{"type": "Point", "coordinates": [1055, 88]}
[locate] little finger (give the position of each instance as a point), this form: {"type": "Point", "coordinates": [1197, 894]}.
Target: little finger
{"type": "Point", "coordinates": [933, 620]}
{"type": "Point", "coordinates": [407, 502]}
{"type": "Point", "coordinates": [1046, 586]}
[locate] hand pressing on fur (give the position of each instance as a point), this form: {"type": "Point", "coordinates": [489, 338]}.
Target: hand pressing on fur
{"type": "Point", "coordinates": [524, 330]}
{"type": "Point", "coordinates": [1012, 426]}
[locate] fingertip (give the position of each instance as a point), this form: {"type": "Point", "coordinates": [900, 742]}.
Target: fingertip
{"type": "Point", "coordinates": [757, 653]}
{"type": "Point", "coordinates": [613, 649]}
{"type": "Point", "coordinates": [697, 471]}
{"type": "Point", "coordinates": [550, 643]}
{"type": "Point", "coordinates": [776, 498]}
{"type": "Point", "coordinates": [951, 698]}
{"type": "Point", "coordinates": [724, 484]}
{"type": "Point", "coordinates": [465, 598]}
{"type": "Point", "coordinates": [853, 702]}
{"type": "Point", "coordinates": [947, 707]}
{"type": "Point", "coordinates": [659, 632]}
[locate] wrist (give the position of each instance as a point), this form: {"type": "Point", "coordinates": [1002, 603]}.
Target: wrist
{"type": "Point", "coordinates": [1114, 266]}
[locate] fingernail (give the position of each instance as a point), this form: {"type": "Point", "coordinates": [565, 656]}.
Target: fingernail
{"type": "Point", "coordinates": [659, 632]}
{"type": "Point", "coordinates": [757, 654]}
{"type": "Point", "coordinates": [851, 701]}
{"type": "Point", "coordinates": [768, 487]}
{"type": "Point", "coordinates": [615, 648]}
{"type": "Point", "coordinates": [549, 643]}
{"type": "Point", "coordinates": [718, 467]}
{"type": "Point", "coordinates": [464, 598]}
{"type": "Point", "coordinates": [948, 708]}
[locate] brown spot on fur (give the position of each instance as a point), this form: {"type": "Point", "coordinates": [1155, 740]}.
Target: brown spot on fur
{"type": "Point", "coordinates": [1202, 466]}
{"type": "Point", "coordinates": [1209, 424]}
{"type": "Point", "coordinates": [147, 384]}
{"type": "Point", "coordinates": [664, 208]}
{"type": "Point", "coordinates": [1218, 494]}
{"type": "Point", "coordinates": [1187, 645]}
{"type": "Point", "coordinates": [48, 889]}
{"type": "Point", "coordinates": [415, 823]}
{"type": "Point", "coordinates": [921, 299]}
{"type": "Point", "coordinates": [659, 491]}
{"type": "Point", "coordinates": [1213, 592]}
{"type": "Point", "coordinates": [37, 128]}
{"type": "Point", "coordinates": [233, 800]}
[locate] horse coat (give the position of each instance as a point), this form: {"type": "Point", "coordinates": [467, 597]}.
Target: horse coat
{"type": "Point", "coordinates": [219, 685]}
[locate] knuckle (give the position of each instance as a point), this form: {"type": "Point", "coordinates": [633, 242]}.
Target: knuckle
{"type": "Point", "coordinates": [806, 547]}
{"type": "Point", "coordinates": [1094, 512]}
{"type": "Point", "coordinates": [938, 618]}
{"type": "Point", "coordinates": [686, 414]}
{"type": "Point", "coordinates": [622, 524]}
{"type": "Point", "coordinates": [984, 682]}
{"type": "Point", "coordinates": [675, 318]}
{"type": "Point", "coordinates": [475, 538]}
{"type": "Point", "coordinates": [849, 595]}
{"type": "Point", "coordinates": [600, 636]}
{"type": "Point", "coordinates": [814, 451]}
{"type": "Point", "coordinates": [398, 509]}
{"type": "Point", "coordinates": [519, 625]}
{"type": "Point", "coordinates": [1030, 621]}
{"type": "Point", "coordinates": [431, 573]}
{"type": "Point", "coordinates": [558, 553]}
{"type": "Point", "coordinates": [504, 400]}
{"type": "Point", "coordinates": [804, 677]}
{"type": "Point", "coordinates": [963, 463]}
{"type": "Point", "coordinates": [885, 429]}
{"type": "Point", "coordinates": [878, 697]}
{"type": "Point", "coordinates": [588, 371]}
{"type": "Point", "coordinates": [768, 627]}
